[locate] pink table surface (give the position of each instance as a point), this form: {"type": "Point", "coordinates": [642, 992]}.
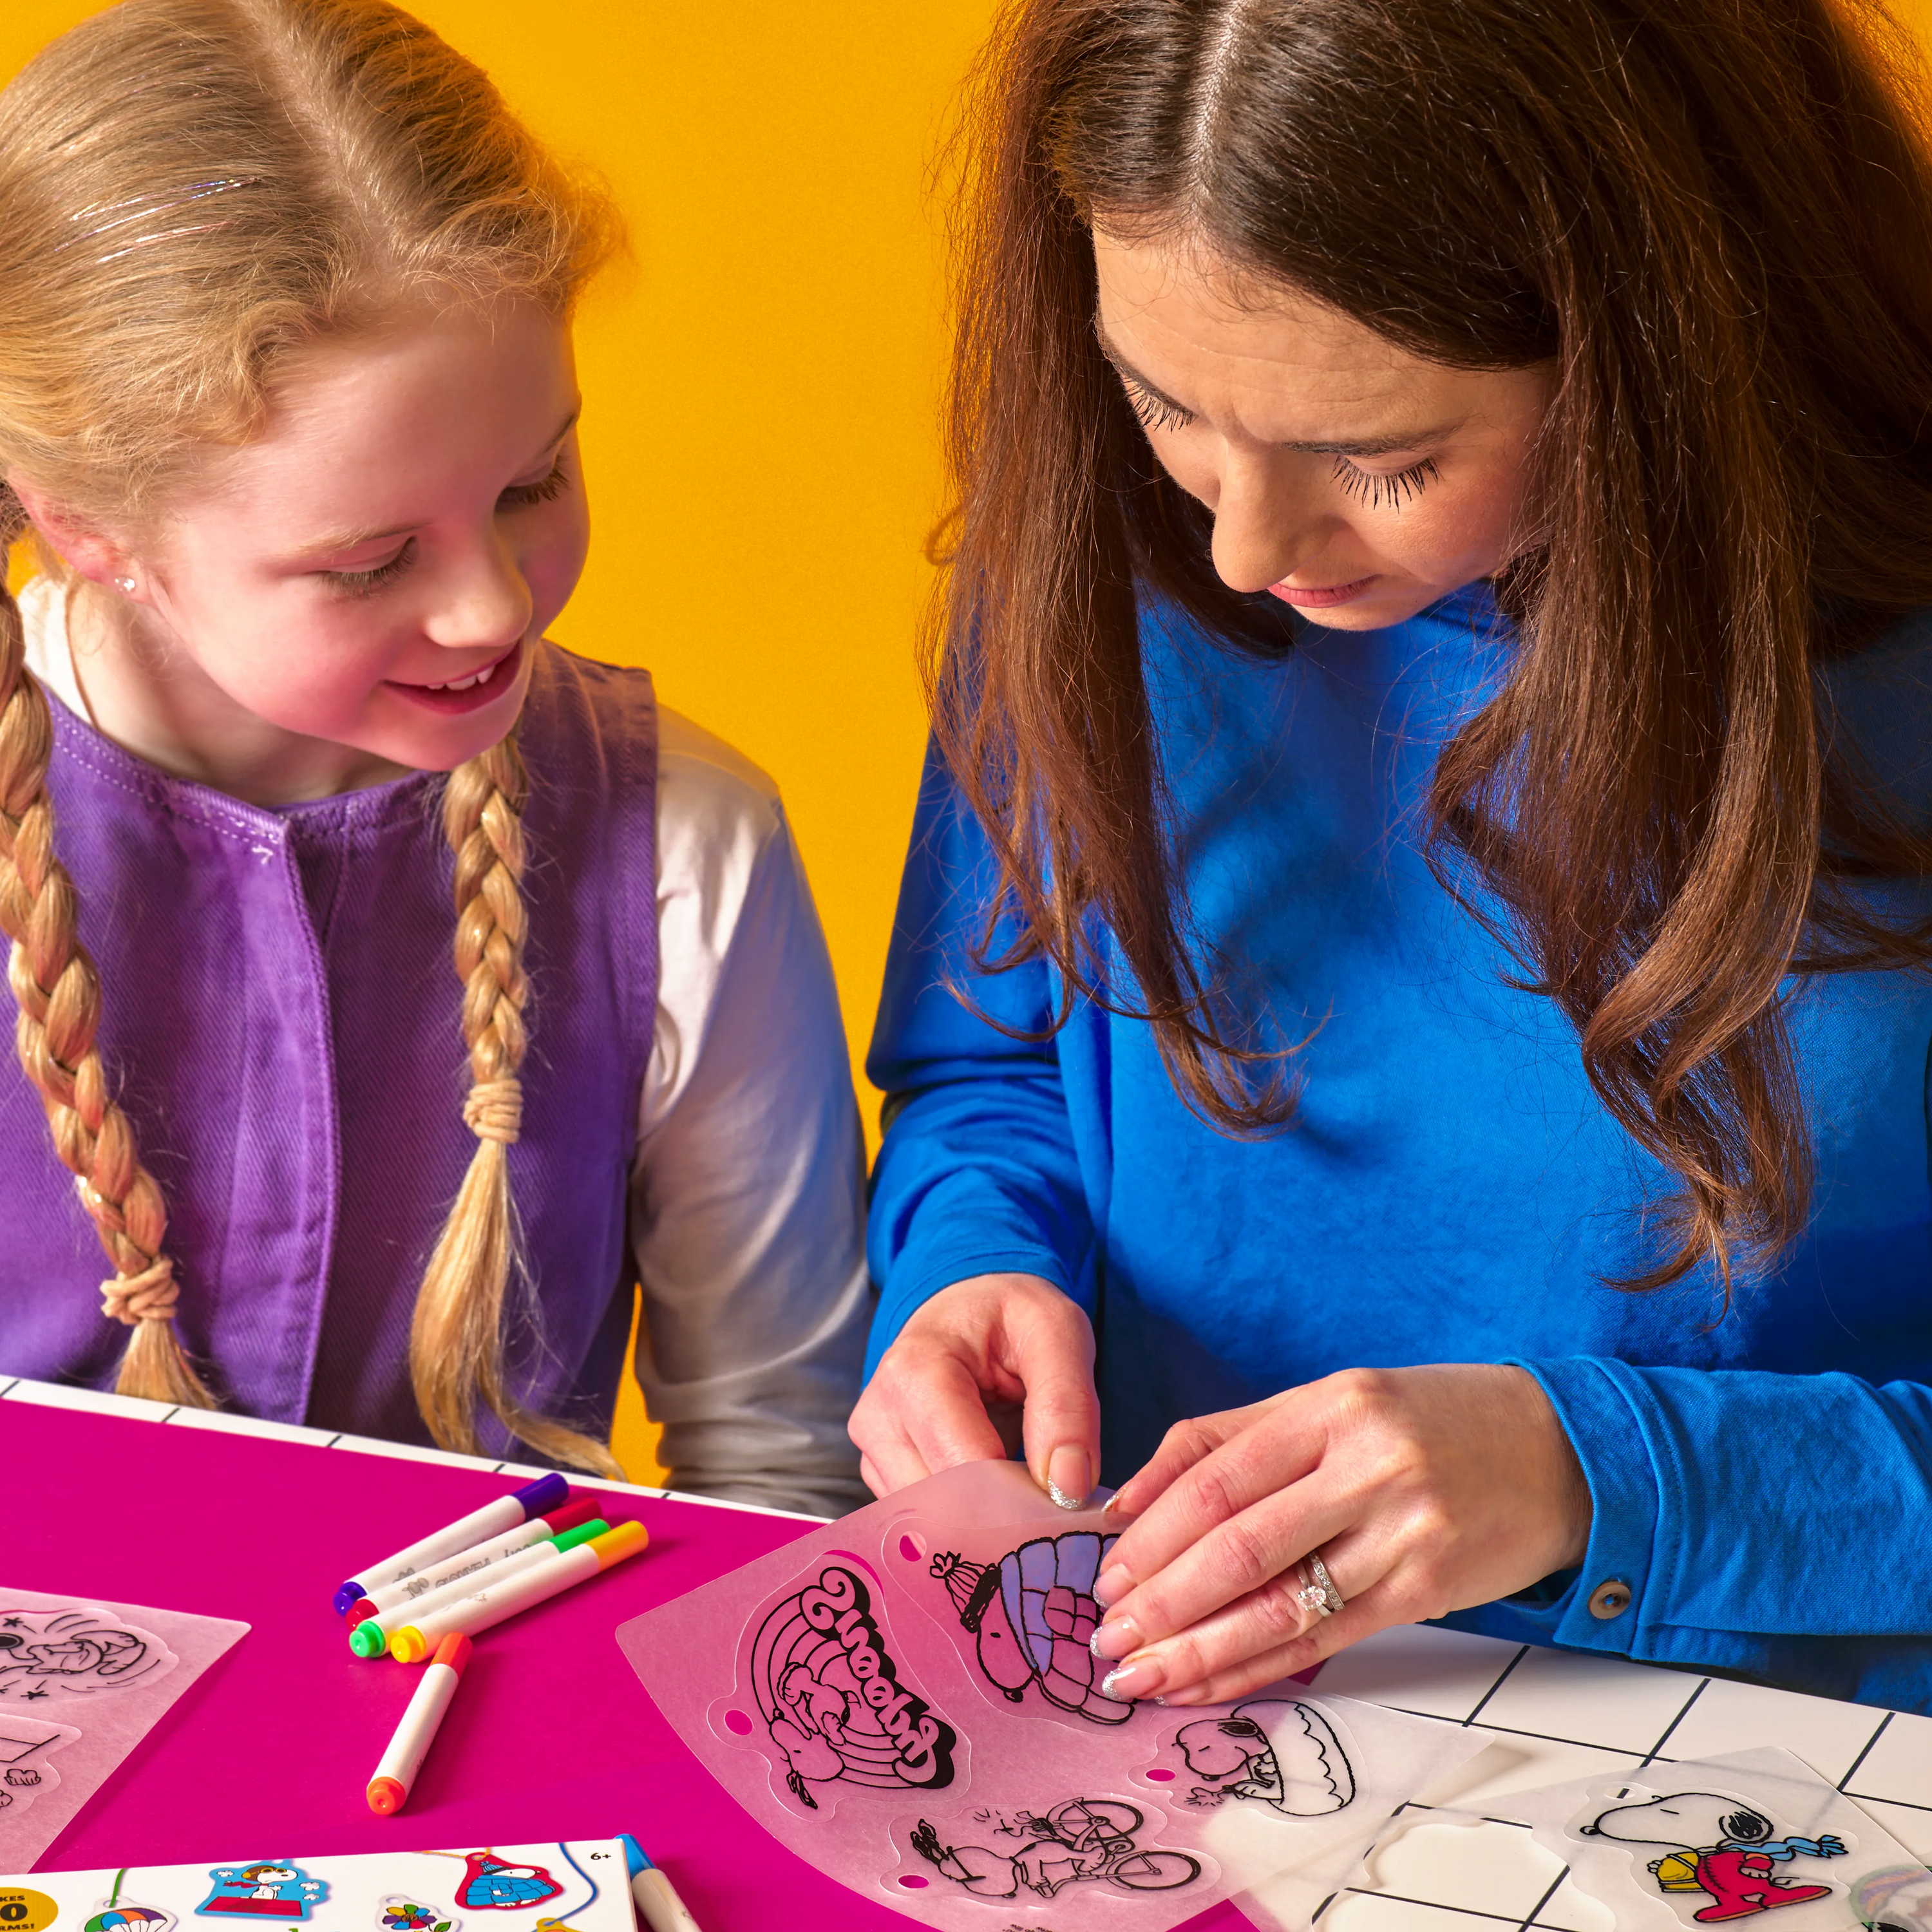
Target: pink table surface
{"type": "Point", "coordinates": [552, 1735]}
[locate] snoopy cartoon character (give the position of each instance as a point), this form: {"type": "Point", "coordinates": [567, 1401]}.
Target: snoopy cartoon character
{"type": "Point", "coordinates": [1717, 1845]}
{"type": "Point", "coordinates": [1282, 1754]}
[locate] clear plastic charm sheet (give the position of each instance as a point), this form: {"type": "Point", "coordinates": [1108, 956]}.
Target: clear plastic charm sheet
{"type": "Point", "coordinates": [906, 1698]}
{"type": "Point", "coordinates": [1678, 1846]}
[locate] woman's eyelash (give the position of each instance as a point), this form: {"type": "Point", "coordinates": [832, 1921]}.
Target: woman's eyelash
{"type": "Point", "coordinates": [1152, 412]}
{"type": "Point", "coordinates": [366, 583]}
{"type": "Point", "coordinates": [519, 496]}
{"type": "Point", "coordinates": [1393, 490]}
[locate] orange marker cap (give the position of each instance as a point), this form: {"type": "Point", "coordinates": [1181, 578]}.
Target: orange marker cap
{"type": "Point", "coordinates": [386, 1795]}
{"type": "Point", "coordinates": [454, 1651]}
{"type": "Point", "coordinates": [620, 1540]}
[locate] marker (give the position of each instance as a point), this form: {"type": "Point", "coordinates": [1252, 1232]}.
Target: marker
{"type": "Point", "coordinates": [658, 1904]}
{"type": "Point", "coordinates": [487, 1608]}
{"type": "Point", "coordinates": [389, 1789]}
{"type": "Point", "coordinates": [371, 1637]}
{"type": "Point", "coordinates": [465, 1562]}
{"type": "Point", "coordinates": [478, 1526]}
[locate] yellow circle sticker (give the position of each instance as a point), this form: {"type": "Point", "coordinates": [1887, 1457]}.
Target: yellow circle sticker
{"type": "Point", "coordinates": [25, 1911]}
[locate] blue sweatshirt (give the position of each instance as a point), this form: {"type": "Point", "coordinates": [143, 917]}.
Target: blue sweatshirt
{"type": "Point", "coordinates": [1450, 1190]}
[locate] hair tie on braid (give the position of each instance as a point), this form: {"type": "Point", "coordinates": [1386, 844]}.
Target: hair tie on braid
{"type": "Point", "coordinates": [149, 1296]}
{"type": "Point", "coordinates": [456, 1337]}
{"type": "Point", "coordinates": [494, 1111]}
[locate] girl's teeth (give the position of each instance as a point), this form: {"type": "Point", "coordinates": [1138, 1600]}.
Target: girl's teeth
{"type": "Point", "coordinates": [482, 676]}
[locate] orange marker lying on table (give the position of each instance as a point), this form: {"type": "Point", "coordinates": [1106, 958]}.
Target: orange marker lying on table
{"type": "Point", "coordinates": [389, 1789]}
{"type": "Point", "coordinates": [487, 1607]}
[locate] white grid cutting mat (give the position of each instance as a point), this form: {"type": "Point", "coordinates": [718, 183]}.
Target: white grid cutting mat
{"type": "Point", "coordinates": [1554, 1715]}
{"type": "Point", "coordinates": [1551, 1715]}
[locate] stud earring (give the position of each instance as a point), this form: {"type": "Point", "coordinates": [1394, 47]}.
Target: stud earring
{"type": "Point", "coordinates": [125, 585]}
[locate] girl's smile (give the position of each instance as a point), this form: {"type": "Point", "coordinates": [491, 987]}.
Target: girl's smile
{"type": "Point", "coordinates": [411, 517]}
{"type": "Point", "coordinates": [496, 680]}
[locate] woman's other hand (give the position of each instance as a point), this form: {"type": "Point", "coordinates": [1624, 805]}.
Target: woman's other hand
{"type": "Point", "coordinates": [1424, 1490]}
{"type": "Point", "coordinates": [985, 1366]}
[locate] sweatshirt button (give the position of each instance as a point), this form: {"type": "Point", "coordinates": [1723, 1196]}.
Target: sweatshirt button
{"type": "Point", "coordinates": [1610, 1600]}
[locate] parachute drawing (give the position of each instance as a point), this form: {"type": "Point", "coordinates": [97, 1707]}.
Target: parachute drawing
{"type": "Point", "coordinates": [1277, 1752]}
{"type": "Point", "coordinates": [1031, 1614]}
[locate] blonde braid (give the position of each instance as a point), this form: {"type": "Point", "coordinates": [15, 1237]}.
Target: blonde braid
{"type": "Point", "coordinates": [456, 1340]}
{"type": "Point", "coordinates": [58, 991]}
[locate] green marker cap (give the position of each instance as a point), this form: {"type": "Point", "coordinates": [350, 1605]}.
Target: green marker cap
{"type": "Point", "coordinates": [583, 1533]}
{"type": "Point", "coordinates": [368, 1640]}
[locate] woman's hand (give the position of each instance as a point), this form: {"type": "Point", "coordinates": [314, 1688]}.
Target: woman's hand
{"type": "Point", "coordinates": [1424, 1490]}
{"type": "Point", "coordinates": [985, 1365]}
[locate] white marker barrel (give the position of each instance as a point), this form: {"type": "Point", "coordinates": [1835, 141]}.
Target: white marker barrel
{"type": "Point", "coordinates": [389, 1789]}
{"type": "Point", "coordinates": [489, 1607]}
{"type": "Point", "coordinates": [658, 1904]}
{"type": "Point", "coordinates": [467, 1562]}
{"type": "Point", "coordinates": [478, 1526]}
{"type": "Point", "coordinates": [371, 1637]}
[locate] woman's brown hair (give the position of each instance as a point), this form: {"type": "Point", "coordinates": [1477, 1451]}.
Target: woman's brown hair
{"type": "Point", "coordinates": [1713, 217]}
{"type": "Point", "coordinates": [191, 191]}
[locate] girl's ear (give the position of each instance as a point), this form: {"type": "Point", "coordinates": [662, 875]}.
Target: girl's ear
{"type": "Point", "coordinates": [93, 553]}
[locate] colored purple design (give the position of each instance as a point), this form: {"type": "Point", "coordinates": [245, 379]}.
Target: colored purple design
{"type": "Point", "coordinates": [1032, 1614]}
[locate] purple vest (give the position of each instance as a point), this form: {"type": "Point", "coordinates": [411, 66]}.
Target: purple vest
{"type": "Point", "coordinates": [281, 1021]}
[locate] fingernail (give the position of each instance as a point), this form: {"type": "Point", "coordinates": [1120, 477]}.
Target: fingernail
{"type": "Point", "coordinates": [1114, 1639]}
{"type": "Point", "coordinates": [1139, 1677]}
{"type": "Point", "coordinates": [1111, 1585]}
{"type": "Point", "coordinates": [1112, 1504]}
{"type": "Point", "coordinates": [1069, 1477]}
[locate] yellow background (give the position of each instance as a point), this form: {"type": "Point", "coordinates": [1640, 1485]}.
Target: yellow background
{"type": "Point", "coordinates": [761, 389]}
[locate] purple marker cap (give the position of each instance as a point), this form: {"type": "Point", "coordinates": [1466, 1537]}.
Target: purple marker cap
{"type": "Point", "coordinates": [350, 1593]}
{"type": "Point", "coordinates": [545, 1493]}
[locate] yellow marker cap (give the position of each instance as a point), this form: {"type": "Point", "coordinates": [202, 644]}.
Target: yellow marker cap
{"type": "Point", "coordinates": [623, 1540]}
{"type": "Point", "coordinates": [408, 1645]}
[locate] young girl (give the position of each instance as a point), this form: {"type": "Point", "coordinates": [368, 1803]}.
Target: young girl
{"type": "Point", "coordinates": [1437, 697]}
{"type": "Point", "coordinates": [286, 402]}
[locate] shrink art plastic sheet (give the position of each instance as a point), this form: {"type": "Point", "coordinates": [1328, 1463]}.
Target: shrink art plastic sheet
{"type": "Point", "coordinates": [1677, 1847]}
{"type": "Point", "coordinates": [584, 1885]}
{"type": "Point", "coordinates": [906, 1699]}
{"type": "Point", "coordinates": [82, 1683]}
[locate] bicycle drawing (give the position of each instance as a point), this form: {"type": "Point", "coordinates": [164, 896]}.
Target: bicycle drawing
{"type": "Point", "coordinates": [1083, 1840]}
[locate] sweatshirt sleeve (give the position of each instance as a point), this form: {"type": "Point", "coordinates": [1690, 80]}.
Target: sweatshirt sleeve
{"type": "Point", "coordinates": [978, 1173]}
{"type": "Point", "coordinates": [747, 1213]}
{"type": "Point", "coordinates": [1741, 1516]}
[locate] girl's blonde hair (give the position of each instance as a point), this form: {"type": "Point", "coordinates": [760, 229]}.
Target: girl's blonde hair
{"type": "Point", "coordinates": [190, 190]}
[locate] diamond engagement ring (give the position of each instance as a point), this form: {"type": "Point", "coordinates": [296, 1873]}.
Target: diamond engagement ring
{"type": "Point", "coordinates": [1319, 1595]}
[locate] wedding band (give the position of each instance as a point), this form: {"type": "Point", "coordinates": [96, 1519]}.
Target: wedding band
{"type": "Point", "coordinates": [1319, 1595]}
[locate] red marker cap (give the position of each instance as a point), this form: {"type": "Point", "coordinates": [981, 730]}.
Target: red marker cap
{"type": "Point", "coordinates": [568, 1516]}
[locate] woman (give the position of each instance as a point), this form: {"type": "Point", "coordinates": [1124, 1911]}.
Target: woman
{"type": "Point", "coordinates": [1414, 937]}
